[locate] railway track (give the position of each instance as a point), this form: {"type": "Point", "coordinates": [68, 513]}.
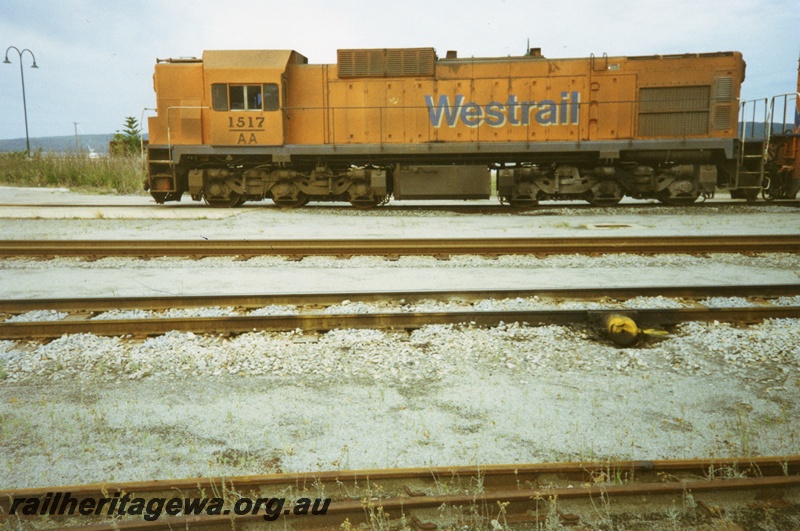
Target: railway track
{"type": "Point", "coordinates": [99, 304]}
{"type": "Point", "coordinates": [427, 498]}
{"type": "Point", "coordinates": [785, 243]}
{"type": "Point", "coordinates": [397, 321]}
{"type": "Point", "coordinates": [459, 208]}
{"type": "Point", "coordinates": [311, 318]}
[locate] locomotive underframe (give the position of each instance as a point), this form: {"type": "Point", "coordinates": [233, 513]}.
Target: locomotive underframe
{"type": "Point", "coordinates": [673, 171]}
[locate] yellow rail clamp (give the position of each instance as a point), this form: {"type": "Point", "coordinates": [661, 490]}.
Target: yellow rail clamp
{"type": "Point", "coordinates": [621, 329]}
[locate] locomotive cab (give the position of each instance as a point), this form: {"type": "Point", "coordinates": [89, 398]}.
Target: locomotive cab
{"type": "Point", "coordinates": [246, 91]}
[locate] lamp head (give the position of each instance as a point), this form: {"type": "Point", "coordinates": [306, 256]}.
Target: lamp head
{"type": "Point", "coordinates": [7, 61]}
{"type": "Point", "coordinates": [34, 64]}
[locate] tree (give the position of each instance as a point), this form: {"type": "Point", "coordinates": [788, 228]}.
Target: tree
{"type": "Point", "coordinates": [129, 141]}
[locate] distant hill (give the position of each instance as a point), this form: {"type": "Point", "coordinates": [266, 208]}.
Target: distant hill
{"type": "Point", "coordinates": [99, 143]}
{"type": "Point", "coordinates": [60, 144]}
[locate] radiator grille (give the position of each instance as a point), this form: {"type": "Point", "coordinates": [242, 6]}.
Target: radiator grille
{"type": "Point", "coordinates": [723, 109]}
{"type": "Point", "coordinates": [722, 117]}
{"type": "Point", "coordinates": [674, 111]}
{"type": "Point", "coordinates": [723, 89]}
{"type": "Point", "coordinates": [672, 124]}
{"type": "Point", "coordinates": [392, 62]}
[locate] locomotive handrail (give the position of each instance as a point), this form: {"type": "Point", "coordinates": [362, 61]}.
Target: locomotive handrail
{"type": "Point", "coordinates": [592, 57]}
{"type": "Point", "coordinates": [141, 136]}
{"type": "Point", "coordinates": [785, 109]}
{"type": "Point", "coordinates": [337, 113]}
{"type": "Point", "coordinates": [795, 127]}
{"type": "Point", "coordinates": [743, 108]}
{"type": "Point", "coordinates": [583, 128]}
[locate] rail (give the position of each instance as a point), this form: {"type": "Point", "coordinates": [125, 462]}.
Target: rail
{"type": "Point", "coordinates": [780, 243]}
{"type": "Point", "coordinates": [398, 320]}
{"type": "Point", "coordinates": [101, 304]}
{"type": "Point", "coordinates": [553, 493]}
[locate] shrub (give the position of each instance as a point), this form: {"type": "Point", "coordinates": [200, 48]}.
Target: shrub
{"type": "Point", "coordinates": [123, 174]}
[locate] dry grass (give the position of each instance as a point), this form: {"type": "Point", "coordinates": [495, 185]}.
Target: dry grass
{"type": "Point", "coordinates": [119, 174]}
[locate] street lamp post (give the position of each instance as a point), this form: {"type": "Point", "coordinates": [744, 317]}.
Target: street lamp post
{"type": "Point", "coordinates": [22, 77]}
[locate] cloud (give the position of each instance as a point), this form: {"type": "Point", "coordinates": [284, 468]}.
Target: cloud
{"type": "Point", "coordinates": [96, 58]}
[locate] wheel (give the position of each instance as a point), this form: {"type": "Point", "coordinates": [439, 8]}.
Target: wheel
{"type": "Point", "coordinates": [602, 201]}
{"type": "Point", "coordinates": [605, 194]}
{"type": "Point", "coordinates": [299, 200]}
{"type": "Point", "coordinates": [362, 196]}
{"type": "Point", "coordinates": [679, 193]}
{"type": "Point", "coordinates": [677, 201]}
{"type": "Point", "coordinates": [367, 202]}
{"type": "Point", "coordinates": [232, 201]}
{"type": "Point", "coordinates": [218, 194]}
{"type": "Point", "coordinates": [520, 202]}
{"type": "Point", "coordinates": [288, 195]}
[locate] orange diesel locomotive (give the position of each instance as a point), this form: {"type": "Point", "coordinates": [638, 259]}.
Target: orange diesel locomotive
{"type": "Point", "coordinates": [237, 126]}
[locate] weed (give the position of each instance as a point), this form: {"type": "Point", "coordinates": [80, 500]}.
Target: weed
{"type": "Point", "coordinates": [743, 428]}
{"type": "Point", "coordinates": [552, 520]}
{"type": "Point", "coordinates": [373, 509]}
{"type": "Point", "coordinates": [674, 515]}
{"type": "Point", "coordinates": [604, 511]}
{"type": "Point", "coordinates": [501, 517]}
{"type": "Point", "coordinates": [119, 174]}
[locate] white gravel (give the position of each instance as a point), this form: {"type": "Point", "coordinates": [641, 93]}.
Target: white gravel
{"type": "Point", "coordinates": [764, 261]}
{"type": "Point", "coordinates": [428, 353]}
{"type": "Point", "coordinates": [727, 302]}
{"type": "Point", "coordinates": [787, 301]}
{"type": "Point", "coordinates": [214, 311]}
{"type": "Point", "coordinates": [401, 306]}
{"type": "Point", "coordinates": [92, 409]}
{"type": "Point", "coordinates": [37, 315]}
{"type": "Point", "coordinates": [445, 395]}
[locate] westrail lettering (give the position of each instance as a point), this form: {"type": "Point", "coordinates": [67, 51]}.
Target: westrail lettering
{"type": "Point", "coordinates": [512, 112]}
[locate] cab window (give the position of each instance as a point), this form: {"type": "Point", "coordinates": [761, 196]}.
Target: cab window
{"type": "Point", "coordinates": [245, 97]}
{"type": "Point", "coordinates": [264, 97]}
{"type": "Point", "coordinates": [272, 100]}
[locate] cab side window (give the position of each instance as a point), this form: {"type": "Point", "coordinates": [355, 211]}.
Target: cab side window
{"type": "Point", "coordinates": [272, 101]}
{"type": "Point", "coordinates": [264, 97]}
{"type": "Point", "coordinates": [219, 97]}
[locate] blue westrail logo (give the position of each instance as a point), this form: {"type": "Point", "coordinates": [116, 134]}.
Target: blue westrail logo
{"type": "Point", "coordinates": [512, 112]}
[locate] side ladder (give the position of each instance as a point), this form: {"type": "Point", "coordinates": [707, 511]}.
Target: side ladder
{"type": "Point", "coordinates": [753, 149]}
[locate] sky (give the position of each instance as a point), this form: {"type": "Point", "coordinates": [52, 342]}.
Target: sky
{"type": "Point", "coordinates": [96, 57]}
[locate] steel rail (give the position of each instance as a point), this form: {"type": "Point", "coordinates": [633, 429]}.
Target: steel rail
{"type": "Point", "coordinates": [455, 207]}
{"type": "Point", "coordinates": [394, 320]}
{"type": "Point", "coordinates": [393, 247]}
{"type": "Point", "coordinates": [402, 490]}
{"type": "Point", "coordinates": [518, 505]}
{"type": "Point", "coordinates": [99, 304]}
{"type": "Point", "coordinates": [492, 477]}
